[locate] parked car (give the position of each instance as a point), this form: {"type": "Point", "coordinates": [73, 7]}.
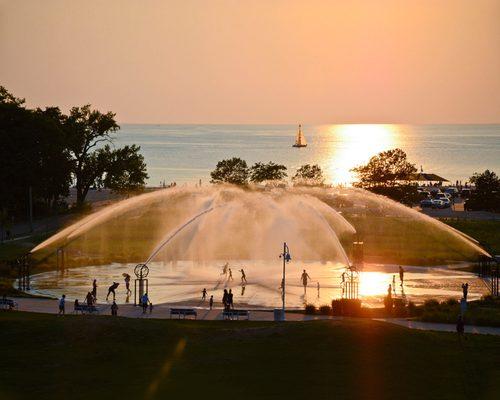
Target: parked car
{"type": "Point", "coordinates": [452, 191]}
{"type": "Point", "coordinates": [436, 203]}
{"type": "Point", "coordinates": [426, 203]}
{"type": "Point", "coordinates": [446, 203]}
{"type": "Point", "coordinates": [442, 196]}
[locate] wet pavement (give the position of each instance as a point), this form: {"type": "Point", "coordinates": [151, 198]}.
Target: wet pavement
{"type": "Point", "coordinates": [184, 282]}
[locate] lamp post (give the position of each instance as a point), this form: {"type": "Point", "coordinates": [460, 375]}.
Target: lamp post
{"type": "Point", "coordinates": [286, 258]}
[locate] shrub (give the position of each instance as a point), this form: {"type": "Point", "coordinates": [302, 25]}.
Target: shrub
{"type": "Point", "coordinates": [451, 302]}
{"type": "Point", "coordinates": [399, 308]}
{"type": "Point", "coordinates": [413, 310]}
{"type": "Point", "coordinates": [431, 304]}
{"type": "Point", "coordinates": [347, 307]}
{"type": "Point", "coordinates": [336, 307]}
{"type": "Point", "coordinates": [325, 309]}
{"type": "Point", "coordinates": [310, 309]}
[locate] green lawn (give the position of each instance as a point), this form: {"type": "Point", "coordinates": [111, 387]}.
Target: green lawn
{"type": "Point", "coordinates": [487, 232]}
{"type": "Point", "coordinates": [76, 357]}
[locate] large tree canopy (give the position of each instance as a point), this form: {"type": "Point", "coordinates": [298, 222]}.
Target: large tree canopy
{"type": "Point", "coordinates": [261, 172]}
{"type": "Point", "coordinates": [45, 150]}
{"type": "Point", "coordinates": [486, 195]}
{"type": "Point", "coordinates": [33, 155]}
{"type": "Point", "coordinates": [309, 175]}
{"type": "Point", "coordinates": [233, 171]}
{"type": "Point", "coordinates": [85, 129]}
{"type": "Point", "coordinates": [389, 173]}
{"type": "Point", "coordinates": [125, 169]}
{"type": "Point", "coordinates": [387, 168]}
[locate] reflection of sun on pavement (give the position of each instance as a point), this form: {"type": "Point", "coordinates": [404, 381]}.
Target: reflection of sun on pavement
{"type": "Point", "coordinates": [373, 283]}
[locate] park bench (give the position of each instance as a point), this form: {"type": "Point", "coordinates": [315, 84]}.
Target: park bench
{"type": "Point", "coordinates": [183, 312]}
{"type": "Point", "coordinates": [236, 314]}
{"type": "Point", "coordinates": [85, 308]}
{"type": "Point", "coordinates": [8, 304]}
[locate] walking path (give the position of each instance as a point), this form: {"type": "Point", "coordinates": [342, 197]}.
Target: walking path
{"type": "Point", "coordinates": [162, 311]}
{"type": "Point", "coordinates": [433, 326]}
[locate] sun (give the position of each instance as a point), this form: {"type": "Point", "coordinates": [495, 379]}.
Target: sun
{"type": "Point", "coordinates": [353, 145]}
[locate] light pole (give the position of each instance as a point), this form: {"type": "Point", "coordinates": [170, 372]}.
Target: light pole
{"type": "Point", "coordinates": [286, 258]}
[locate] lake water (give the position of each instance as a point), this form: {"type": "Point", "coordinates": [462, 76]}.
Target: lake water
{"type": "Point", "coordinates": [187, 153]}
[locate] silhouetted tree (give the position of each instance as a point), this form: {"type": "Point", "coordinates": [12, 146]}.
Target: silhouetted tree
{"type": "Point", "coordinates": [486, 195]}
{"type": "Point", "coordinates": [309, 175]}
{"type": "Point", "coordinates": [261, 172]}
{"type": "Point", "coordinates": [233, 170]}
{"type": "Point", "coordinates": [389, 173]}
{"type": "Point", "coordinates": [125, 169]}
{"type": "Point", "coordinates": [32, 155]}
{"type": "Point", "coordinates": [85, 129]}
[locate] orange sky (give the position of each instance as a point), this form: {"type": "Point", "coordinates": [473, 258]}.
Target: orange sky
{"type": "Point", "coordinates": [260, 61]}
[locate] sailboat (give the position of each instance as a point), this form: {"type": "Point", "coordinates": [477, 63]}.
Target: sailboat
{"type": "Point", "coordinates": [300, 140]}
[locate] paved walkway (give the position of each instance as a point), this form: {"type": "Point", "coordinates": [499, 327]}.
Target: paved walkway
{"type": "Point", "coordinates": [432, 326]}
{"type": "Point", "coordinates": [162, 311]}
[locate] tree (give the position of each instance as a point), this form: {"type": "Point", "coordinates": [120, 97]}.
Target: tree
{"type": "Point", "coordinates": [125, 169]}
{"type": "Point", "coordinates": [486, 195]}
{"type": "Point", "coordinates": [8, 98]}
{"type": "Point", "coordinates": [387, 168]}
{"type": "Point", "coordinates": [32, 155]}
{"type": "Point", "coordinates": [309, 175]}
{"type": "Point", "coordinates": [85, 129]}
{"type": "Point", "coordinates": [389, 173]}
{"type": "Point", "coordinates": [233, 171]}
{"type": "Point", "coordinates": [261, 172]}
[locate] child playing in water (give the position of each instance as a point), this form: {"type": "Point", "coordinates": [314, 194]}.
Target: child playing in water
{"type": "Point", "coordinates": [243, 276]}
{"type": "Point", "coordinates": [211, 302]}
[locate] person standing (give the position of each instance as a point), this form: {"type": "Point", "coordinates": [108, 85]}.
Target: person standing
{"type": "Point", "coordinates": [211, 302]}
{"type": "Point", "coordinates": [225, 300]}
{"type": "Point", "coordinates": [114, 309]}
{"type": "Point", "coordinates": [305, 277]}
{"type": "Point", "coordinates": [144, 302]}
{"type": "Point", "coordinates": [94, 289]}
{"type": "Point", "coordinates": [62, 305]}
{"type": "Point", "coordinates": [112, 289]}
{"type": "Point", "coordinates": [204, 294]}
{"type": "Point", "coordinates": [465, 290]}
{"type": "Point", "coordinates": [401, 274]}
{"type": "Point", "coordinates": [230, 278]}
{"type": "Point", "coordinates": [89, 299]}
{"type": "Point", "coordinates": [230, 299]}
{"type": "Point", "coordinates": [127, 283]}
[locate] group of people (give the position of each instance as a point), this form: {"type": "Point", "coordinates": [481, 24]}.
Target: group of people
{"type": "Point", "coordinates": [392, 287]}
{"type": "Point", "coordinates": [91, 297]}
{"type": "Point", "coordinates": [228, 273]}
{"type": "Point", "coordinates": [227, 300]}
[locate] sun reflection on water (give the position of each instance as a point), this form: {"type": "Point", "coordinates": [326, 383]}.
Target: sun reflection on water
{"type": "Point", "coordinates": [353, 145]}
{"type": "Point", "coordinates": [373, 283]}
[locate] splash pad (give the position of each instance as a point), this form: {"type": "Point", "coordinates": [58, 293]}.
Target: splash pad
{"type": "Point", "coordinates": [186, 235]}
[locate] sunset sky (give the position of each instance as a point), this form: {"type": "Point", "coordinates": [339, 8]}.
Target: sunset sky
{"type": "Point", "coordinates": [261, 61]}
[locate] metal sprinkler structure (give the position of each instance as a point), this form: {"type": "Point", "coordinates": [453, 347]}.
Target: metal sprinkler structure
{"type": "Point", "coordinates": [141, 272]}
{"type": "Point", "coordinates": [280, 316]}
